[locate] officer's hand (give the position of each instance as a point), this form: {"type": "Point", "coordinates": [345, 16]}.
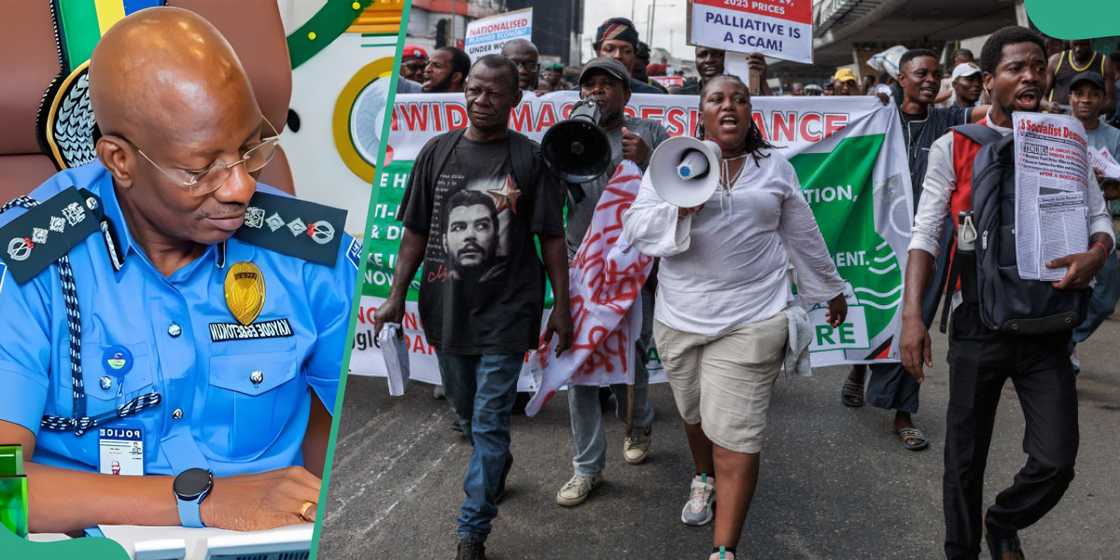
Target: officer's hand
{"type": "Point", "coordinates": [1082, 268]}
{"type": "Point", "coordinates": [916, 347]}
{"type": "Point", "coordinates": [559, 324]}
{"type": "Point", "coordinates": [634, 148]}
{"type": "Point", "coordinates": [837, 311]}
{"type": "Point", "coordinates": [262, 501]}
{"type": "Point", "coordinates": [391, 311]}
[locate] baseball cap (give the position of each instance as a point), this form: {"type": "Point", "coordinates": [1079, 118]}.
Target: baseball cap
{"type": "Point", "coordinates": [964, 70]}
{"type": "Point", "coordinates": [413, 51]}
{"type": "Point", "coordinates": [844, 75]}
{"type": "Point", "coordinates": [608, 65]}
{"type": "Point", "coordinates": [1091, 77]}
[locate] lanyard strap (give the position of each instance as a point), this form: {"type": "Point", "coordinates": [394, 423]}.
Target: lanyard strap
{"type": "Point", "coordinates": [79, 423]}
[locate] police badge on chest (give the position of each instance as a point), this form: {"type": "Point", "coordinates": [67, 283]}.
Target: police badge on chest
{"type": "Point", "coordinates": [245, 293]}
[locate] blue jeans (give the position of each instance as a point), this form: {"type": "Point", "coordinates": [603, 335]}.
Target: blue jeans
{"type": "Point", "coordinates": [482, 388]}
{"type": "Point", "coordinates": [589, 439]}
{"type": "Point", "coordinates": [1103, 301]}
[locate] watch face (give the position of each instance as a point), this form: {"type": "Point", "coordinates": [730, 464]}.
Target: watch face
{"type": "Point", "coordinates": [191, 483]}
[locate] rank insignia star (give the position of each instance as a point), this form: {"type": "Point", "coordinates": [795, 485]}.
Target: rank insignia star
{"type": "Point", "coordinates": [506, 197]}
{"type": "Point", "coordinates": [254, 217]}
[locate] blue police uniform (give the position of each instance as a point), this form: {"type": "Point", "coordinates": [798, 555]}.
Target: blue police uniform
{"type": "Point", "coordinates": [232, 398]}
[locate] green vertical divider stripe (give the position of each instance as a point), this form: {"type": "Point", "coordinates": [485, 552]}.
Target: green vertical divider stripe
{"type": "Point", "coordinates": [340, 396]}
{"type": "Point", "coordinates": [78, 19]}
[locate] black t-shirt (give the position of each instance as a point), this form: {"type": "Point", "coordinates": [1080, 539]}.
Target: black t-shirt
{"type": "Point", "coordinates": [921, 131]}
{"type": "Point", "coordinates": [482, 284]}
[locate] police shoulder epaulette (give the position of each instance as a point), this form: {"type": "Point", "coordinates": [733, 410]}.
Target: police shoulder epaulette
{"type": "Point", "coordinates": [294, 227]}
{"type": "Point", "coordinates": [47, 231]}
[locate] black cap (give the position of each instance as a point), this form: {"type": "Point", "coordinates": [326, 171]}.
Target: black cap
{"type": "Point", "coordinates": [607, 65]}
{"type": "Point", "coordinates": [1091, 77]}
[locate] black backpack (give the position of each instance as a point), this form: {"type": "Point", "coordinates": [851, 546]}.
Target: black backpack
{"type": "Point", "coordinates": [1007, 303]}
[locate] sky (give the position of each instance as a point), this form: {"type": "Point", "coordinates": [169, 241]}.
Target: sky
{"type": "Point", "coordinates": [669, 20]}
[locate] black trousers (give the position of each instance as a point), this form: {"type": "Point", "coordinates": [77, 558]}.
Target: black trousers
{"type": "Point", "coordinates": [980, 361]}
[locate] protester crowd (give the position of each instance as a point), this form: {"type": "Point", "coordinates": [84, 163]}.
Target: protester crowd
{"type": "Point", "coordinates": [722, 335]}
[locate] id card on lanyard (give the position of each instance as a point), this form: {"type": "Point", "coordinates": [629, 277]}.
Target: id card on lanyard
{"type": "Point", "coordinates": [121, 451]}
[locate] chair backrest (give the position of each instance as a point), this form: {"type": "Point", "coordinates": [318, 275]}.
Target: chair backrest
{"type": "Point", "coordinates": [29, 61]}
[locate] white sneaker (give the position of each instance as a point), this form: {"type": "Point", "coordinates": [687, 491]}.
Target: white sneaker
{"type": "Point", "coordinates": [575, 491]}
{"type": "Point", "coordinates": [722, 556]}
{"type": "Point", "coordinates": [635, 449]}
{"type": "Point", "coordinates": [698, 509]}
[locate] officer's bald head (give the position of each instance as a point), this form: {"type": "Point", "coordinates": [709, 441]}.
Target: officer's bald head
{"type": "Point", "coordinates": [169, 72]}
{"type": "Point", "coordinates": [166, 87]}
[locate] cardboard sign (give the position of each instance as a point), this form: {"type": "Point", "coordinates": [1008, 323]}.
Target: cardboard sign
{"type": "Point", "coordinates": [776, 28]}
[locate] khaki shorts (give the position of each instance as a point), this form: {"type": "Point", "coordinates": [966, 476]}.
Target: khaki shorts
{"type": "Point", "coordinates": [724, 382]}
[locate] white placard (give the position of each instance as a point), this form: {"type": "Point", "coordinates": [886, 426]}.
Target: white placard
{"type": "Point", "coordinates": [776, 28]}
{"type": "Point", "coordinates": [488, 35]}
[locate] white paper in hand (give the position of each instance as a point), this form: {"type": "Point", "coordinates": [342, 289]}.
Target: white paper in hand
{"type": "Point", "coordinates": [395, 351]}
{"type": "Point", "coordinates": [1104, 163]}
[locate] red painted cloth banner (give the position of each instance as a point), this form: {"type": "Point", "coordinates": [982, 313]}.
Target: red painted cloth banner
{"type": "Point", "coordinates": [606, 279]}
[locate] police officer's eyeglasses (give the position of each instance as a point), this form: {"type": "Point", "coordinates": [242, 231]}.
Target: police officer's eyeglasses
{"type": "Point", "coordinates": [205, 181]}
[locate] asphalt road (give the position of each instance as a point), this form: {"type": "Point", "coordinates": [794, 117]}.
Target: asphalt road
{"type": "Point", "coordinates": [835, 483]}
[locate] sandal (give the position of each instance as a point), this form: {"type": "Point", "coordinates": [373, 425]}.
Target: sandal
{"type": "Point", "coordinates": [912, 439]}
{"type": "Point", "coordinates": [852, 394]}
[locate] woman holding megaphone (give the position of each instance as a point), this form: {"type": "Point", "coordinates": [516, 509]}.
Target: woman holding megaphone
{"type": "Point", "coordinates": [727, 218]}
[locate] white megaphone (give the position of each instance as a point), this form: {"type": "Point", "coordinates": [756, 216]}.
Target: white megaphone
{"type": "Point", "coordinates": [684, 171]}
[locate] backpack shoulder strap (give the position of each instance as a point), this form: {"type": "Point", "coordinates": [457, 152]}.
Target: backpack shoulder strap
{"type": "Point", "coordinates": [444, 146]}
{"type": "Point", "coordinates": [978, 133]}
{"type": "Point", "coordinates": [521, 159]}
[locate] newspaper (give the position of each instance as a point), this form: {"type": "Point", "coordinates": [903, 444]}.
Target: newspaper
{"type": "Point", "coordinates": [394, 348]}
{"type": "Point", "coordinates": [1051, 192]}
{"type": "Point", "coordinates": [1104, 163]}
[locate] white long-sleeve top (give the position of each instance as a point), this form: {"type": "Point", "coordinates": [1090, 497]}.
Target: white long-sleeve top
{"type": "Point", "coordinates": [726, 266]}
{"type": "Point", "coordinates": [941, 181]}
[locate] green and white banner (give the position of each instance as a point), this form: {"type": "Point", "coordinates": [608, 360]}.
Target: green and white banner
{"type": "Point", "coordinates": [849, 154]}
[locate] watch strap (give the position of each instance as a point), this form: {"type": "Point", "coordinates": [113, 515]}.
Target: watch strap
{"type": "Point", "coordinates": [190, 512]}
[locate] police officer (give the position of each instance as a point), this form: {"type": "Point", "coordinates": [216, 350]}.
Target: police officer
{"type": "Point", "coordinates": [165, 313]}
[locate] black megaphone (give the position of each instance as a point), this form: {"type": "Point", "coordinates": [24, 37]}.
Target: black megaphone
{"type": "Point", "coordinates": [576, 149]}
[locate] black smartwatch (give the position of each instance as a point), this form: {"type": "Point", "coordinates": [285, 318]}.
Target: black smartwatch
{"type": "Point", "coordinates": [191, 487]}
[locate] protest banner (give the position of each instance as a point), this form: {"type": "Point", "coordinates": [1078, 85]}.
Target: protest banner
{"type": "Point", "coordinates": [669, 81]}
{"type": "Point", "coordinates": [849, 155]}
{"type": "Point", "coordinates": [776, 28]}
{"type": "Point", "coordinates": [488, 35]}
